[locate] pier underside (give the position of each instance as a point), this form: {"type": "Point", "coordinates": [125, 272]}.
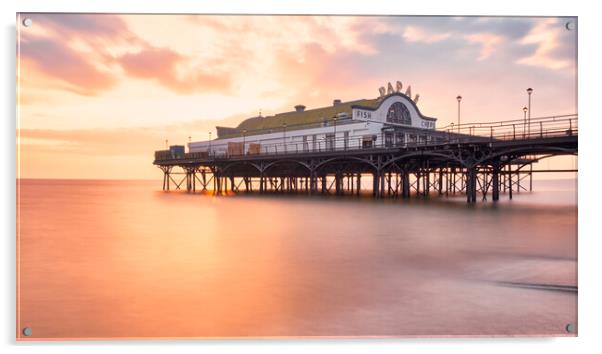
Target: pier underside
{"type": "Point", "coordinates": [478, 169]}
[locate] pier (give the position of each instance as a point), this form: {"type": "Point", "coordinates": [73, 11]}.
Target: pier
{"type": "Point", "coordinates": [478, 160]}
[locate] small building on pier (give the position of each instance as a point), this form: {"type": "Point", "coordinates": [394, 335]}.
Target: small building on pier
{"type": "Point", "coordinates": [392, 119]}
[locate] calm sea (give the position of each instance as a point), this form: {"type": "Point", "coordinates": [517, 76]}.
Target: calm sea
{"type": "Point", "coordinates": [122, 259]}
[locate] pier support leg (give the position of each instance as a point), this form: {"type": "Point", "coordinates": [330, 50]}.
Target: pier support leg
{"type": "Point", "coordinates": [375, 184]}
{"type": "Point", "coordinates": [382, 185]}
{"type": "Point", "coordinates": [389, 188]}
{"type": "Point", "coordinates": [218, 182]}
{"type": "Point", "coordinates": [194, 181]}
{"type": "Point", "coordinates": [510, 182]}
{"type": "Point", "coordinates": [405, 185]}
{"type": "Point", "coordinates": [495, 183]}
{"type": "Point", "coordinates": [418, 180]}
{"type": "Point", "coordinates": [471, 185]}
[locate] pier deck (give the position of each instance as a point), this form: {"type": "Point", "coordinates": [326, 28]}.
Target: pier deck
{"type": "Point", "coordinates": [474, 159]}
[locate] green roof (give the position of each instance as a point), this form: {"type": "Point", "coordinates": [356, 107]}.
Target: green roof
{"type": "Point", "coordinates": [293, 120]}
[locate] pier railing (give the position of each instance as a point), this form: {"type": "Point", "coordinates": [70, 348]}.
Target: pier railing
{"type": "Point", "coordinates": [520, 129]}
{"type": "Point", "coordinates": [510, 130]}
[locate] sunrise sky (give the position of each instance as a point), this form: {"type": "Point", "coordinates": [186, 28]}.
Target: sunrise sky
{"type": "Point", "coordinates": [97, 94]}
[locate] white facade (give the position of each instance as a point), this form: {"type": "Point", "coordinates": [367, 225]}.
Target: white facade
{"type": "Point", "coordinates": [365, 127]}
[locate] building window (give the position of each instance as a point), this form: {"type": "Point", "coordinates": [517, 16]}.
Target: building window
{"type": "Point", "coordinates": [367, 141]}
{"type": "Point", "coordinates": [388, 139]}
{"type": "Point", "coordinates": [346, 140]}
{"type": "Point", "coordinates": [305, 144]}
{"type": "Point", "coordinates": [400, 138]}
{"type": "Point", "coordinates": [399, 113]}
{"type": "Point", "coordinates": [314, 142]}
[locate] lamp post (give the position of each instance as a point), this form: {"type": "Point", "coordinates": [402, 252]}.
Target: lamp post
{"type": "Point", "coordinates": [529, 91]}
{"type": "Point", "coordinates": [166, 144]}
{"type": "Point", "coordinates": [525, 109]}
{"type": "Point", "coordinates": [209, 143]}
{"type": "Point", "coordinates": [459, 98]}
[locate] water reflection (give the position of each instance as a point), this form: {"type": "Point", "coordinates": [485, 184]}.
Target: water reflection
{"type": "Point", "coordinates": [106, 259]}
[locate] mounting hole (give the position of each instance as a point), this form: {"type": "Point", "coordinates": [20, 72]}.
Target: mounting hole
{"type": "Point", "coordinates": [27, 331]}
{"type": "Point", "coordinates": [570, 25]}
{"type": "Point", "coordinates": [570, 328]}
{"type": "Point", "coordinates": [27, 22]}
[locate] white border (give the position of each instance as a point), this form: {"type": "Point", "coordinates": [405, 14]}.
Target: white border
{"type": "Point", "coordinates": [590, 295]}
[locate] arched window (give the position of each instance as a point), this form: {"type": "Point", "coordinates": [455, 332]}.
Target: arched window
{"type": "Point", "coordinates": [399, 113]}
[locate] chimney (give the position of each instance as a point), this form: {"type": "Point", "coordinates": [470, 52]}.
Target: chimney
{"type": "Point", "coordinates": [299, 108]}
{"type": "Point", "coordinates": [336, 102]}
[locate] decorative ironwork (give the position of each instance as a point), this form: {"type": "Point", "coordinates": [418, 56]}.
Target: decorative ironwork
{"type": "Point", "coordinates": [399, 113]}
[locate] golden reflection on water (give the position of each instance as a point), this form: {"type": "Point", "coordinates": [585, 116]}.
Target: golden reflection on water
{"type": "Point", "coordinates": [118, 259]}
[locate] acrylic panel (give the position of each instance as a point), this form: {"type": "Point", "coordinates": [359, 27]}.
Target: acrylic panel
{"type": "Point", "coordinates": [262, 176]}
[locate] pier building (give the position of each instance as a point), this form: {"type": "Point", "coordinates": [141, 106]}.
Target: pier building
{"type": "Point", "coordinates": [385, 142]}
{"type": "Point", "coordinates": [392, 119]}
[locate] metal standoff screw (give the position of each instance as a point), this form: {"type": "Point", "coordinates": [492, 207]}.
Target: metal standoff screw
{"type": "Point", "coordinates": [570, 328]}
{"type": "Point", "coordinates": [570, 25]}
{"type": "Point", "coordinates": [27, 331]}
{"type": "Point", "coordinates": [27, 22]}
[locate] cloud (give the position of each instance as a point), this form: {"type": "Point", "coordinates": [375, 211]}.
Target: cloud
{"type": "Point", "coordinates": [88, 54]}
{"type": "Point", "coordinates": [72, 52]}
{"type": "Point", "coordinates": [163, 65]}
{"type": "Point", "coordinates": [69, 25]}
{"type": "Point", "coordinates": [61, 63]}
{"type": "Point", "coordinates": [488, 41]}
{"type": "Point", "coordinates": [416, 34]}
{"type": "Point", "coordinates": [546, 36]}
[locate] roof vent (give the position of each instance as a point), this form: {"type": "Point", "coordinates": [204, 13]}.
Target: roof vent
{"type": "Point", "coordinates": [336, 102]}
{"type": "Point", "coordinates": [299, 108]}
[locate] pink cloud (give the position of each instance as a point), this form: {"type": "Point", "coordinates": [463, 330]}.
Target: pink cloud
{"type": "Point", "coordinates": [546, 35]}
{"type": "Point", "coordinates": [415, 34]}
{"type": "Point", "coordinates": [88, 25]}
{"type": "Point", "coordinates": [161, 64]}
{"type": "Point", "coordinates": [488, 42]}
{"type": "Point", "coordinates": [56, 60]}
